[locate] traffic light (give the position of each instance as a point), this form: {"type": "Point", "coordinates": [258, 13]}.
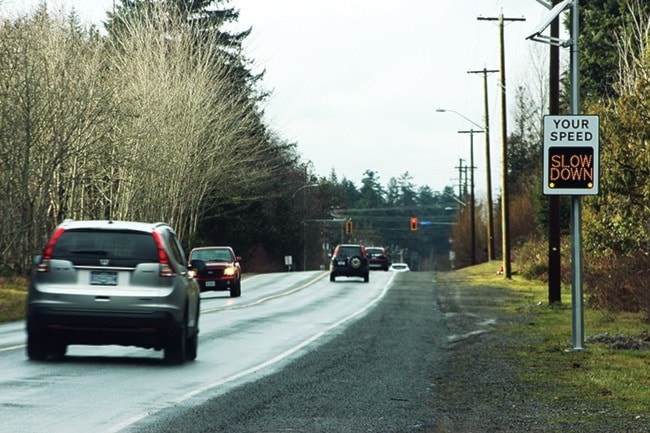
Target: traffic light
{"type": "Point", "coordinates": [348, 227]}
{"type": "Point", "coordinates": [414, 224]}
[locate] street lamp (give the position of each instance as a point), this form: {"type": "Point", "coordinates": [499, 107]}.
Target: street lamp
{"type": "Point", "coordinates": [445, 110]}
{"type": "Point", "coordinates": [488, 177]}
{"type": "Point", "coordinates": [309, 185]}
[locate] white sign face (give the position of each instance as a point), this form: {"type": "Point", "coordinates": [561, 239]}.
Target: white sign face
{"type": "Point", "coordinates": [571, 148]}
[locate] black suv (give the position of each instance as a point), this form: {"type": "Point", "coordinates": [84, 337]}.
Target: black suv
{"type": "Point", "coordinates": [113, 282]}
{"type": "Point", "coordinates": [349, 260]}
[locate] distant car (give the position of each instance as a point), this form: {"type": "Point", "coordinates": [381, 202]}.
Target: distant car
{"type": "Point", "coordinates": [377, 258]}
{"type": "Point", "coordinates": [221, 270]}
{"type": "Point", "coordinates": [113, 282]}
{"type": "Point", "coordinates": [399, 267]}
{"type": "Point", "coordinates": [349, 260]}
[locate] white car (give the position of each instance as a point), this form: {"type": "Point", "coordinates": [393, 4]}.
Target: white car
{"type": "Point", "coordinates": [399, 267]}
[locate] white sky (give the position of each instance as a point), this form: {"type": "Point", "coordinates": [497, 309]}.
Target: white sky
{"type": "Point", "coordinates": [356, 83]}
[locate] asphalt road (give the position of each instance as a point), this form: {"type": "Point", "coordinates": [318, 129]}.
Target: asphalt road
{"type": "Point", "coordinates": [378, 375]}
{"type": "Point", "coordinates": [108, 389]}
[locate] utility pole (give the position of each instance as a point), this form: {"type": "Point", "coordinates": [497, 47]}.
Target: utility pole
{"type": "Point", "coordinates": [505, 211]}
{"type": "Point", "coordinates": [472, 216]}
{"type": "Point", "coordinates": [461, 170]}
{"type": "Point", "coordinates": [488, 167]}
{"type": "Point", "coordinates": [554, 254]}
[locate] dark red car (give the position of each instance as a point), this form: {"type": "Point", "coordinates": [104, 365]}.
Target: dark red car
{"type": "Point", "coordinates": [377, 258]}
{"type": "Point", "coordinates": [221, 270]}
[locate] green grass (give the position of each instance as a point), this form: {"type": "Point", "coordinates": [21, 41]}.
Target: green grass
{"type": "Point", "coordinates": [620, 378]}
{"type": "Point", "coordinates": [13, 294]}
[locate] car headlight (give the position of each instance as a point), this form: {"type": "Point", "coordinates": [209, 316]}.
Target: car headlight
{"type": "Point", "coordinates": [230, 271]}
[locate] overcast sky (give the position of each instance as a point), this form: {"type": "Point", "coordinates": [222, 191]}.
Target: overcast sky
{"type": "Point", "coordinates": [356, 83]}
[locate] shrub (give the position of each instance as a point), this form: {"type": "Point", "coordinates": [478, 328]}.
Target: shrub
{"type": "Point", "coordinates": [532, 260]}
{"type": "Point", "coordinates": [619, 283]}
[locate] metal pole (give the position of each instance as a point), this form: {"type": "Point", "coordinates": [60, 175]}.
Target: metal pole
{"type": "Point", "coordinates": [576, 206]}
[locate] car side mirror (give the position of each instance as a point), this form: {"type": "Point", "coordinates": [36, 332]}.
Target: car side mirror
{"type": "Point", "coordinates": [238, 259]}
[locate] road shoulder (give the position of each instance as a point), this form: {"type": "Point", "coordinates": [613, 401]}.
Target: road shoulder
{"type": "Point", "coordinates": [481, 389]}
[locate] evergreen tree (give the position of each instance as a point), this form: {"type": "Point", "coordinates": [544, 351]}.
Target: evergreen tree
{"type": "Point", "coordinates": [371, 193]}
{"type": "Point", "coordinates": [601, 23]}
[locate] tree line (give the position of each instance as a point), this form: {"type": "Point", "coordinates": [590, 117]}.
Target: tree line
{"type": "Point", "coordinates": [158, 117]}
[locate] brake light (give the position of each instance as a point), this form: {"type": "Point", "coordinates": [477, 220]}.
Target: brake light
{"type": "Point", "coordinates": [166, 268]}
{"type": "Point", "coordinates": [44, 265]}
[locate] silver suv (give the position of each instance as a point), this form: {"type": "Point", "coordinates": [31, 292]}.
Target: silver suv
{"type": "Point", "coordinates": [113, 282]}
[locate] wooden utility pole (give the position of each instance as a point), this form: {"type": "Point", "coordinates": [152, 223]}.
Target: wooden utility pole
{"type": "Point", "coordinates": [472, 206]}
{"type": "Point", "coordinates": [554, 254]}
{"type": "Point", "coordinates": [488, 166]}
{"type": "Point", "coordinates": [505, 211]}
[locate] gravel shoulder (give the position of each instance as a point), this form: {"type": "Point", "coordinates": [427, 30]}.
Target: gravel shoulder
{"type": "Point", "coordinates": [432, 356]}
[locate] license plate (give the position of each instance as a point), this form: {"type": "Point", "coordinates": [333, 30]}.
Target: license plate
{"type": "Point", "coordinates": [103, 278]}
{"type": "Point", "coordinates": [341, 262]}
{"type": "Point", "coordinates": [209, 284]}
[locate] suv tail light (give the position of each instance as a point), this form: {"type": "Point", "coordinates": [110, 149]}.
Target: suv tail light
{"type": "Point", "coordinates": [44, 264]}
{"type": "Point", "coordinates": [166, 268]}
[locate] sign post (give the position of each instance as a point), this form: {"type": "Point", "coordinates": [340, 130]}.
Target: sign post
{"type": "Point", "coordinates": [571, 167]}
{"type": "Point", "coordinates": [568, 168]}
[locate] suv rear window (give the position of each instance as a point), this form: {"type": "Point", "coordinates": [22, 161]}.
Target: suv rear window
{"type": "Point", "coordinates": [121, 248]}
{"type": "Point", "coordinates": [349, 251]}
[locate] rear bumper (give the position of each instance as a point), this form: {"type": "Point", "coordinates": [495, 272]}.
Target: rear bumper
{"type": "Point", "coordinates": [348, 272]}
{"type": "Point", "coordinates": [144, 329]}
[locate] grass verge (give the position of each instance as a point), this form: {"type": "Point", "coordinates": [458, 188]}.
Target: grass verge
{"type": "Point", "coordinates": [601, 373]}
{"type": "Point", "coordinates": [13, 295]}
